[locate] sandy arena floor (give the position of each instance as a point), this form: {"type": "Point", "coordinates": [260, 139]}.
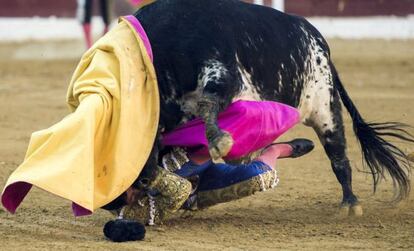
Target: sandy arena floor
{"type": "Point", "coordinates": [301, 213]}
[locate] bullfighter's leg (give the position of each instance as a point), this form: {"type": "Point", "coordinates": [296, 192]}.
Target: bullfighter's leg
{"type": "Point", "coordinates": [215, 80]}
{"type": "Point", "coordinates": [321, 108]}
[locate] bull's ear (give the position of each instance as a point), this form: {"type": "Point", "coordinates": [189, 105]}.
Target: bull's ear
{"type": "Point", "coordinates": [121, 230]}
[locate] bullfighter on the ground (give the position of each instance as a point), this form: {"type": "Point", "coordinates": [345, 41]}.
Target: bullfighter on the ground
{"type": "Point", "coordinates": [96, 153]}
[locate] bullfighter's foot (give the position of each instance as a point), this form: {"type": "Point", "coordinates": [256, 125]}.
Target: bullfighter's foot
{"type": "Point", "coordinates": [220, 146]}
{"type": "Point", "coordinates": [298, 147]}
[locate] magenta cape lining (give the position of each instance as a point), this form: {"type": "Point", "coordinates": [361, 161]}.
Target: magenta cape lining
{"type": "Point", "coordinates": [252, 124]}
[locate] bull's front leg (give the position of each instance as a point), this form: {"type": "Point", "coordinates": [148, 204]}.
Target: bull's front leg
{"type": "Point", "coordinates": [218, 82]}
{"type": "Point", "coordinates": [219, 142]}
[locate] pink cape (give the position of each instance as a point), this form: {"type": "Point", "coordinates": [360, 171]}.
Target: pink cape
{"type": "Point", "coordinates": [252, 124]}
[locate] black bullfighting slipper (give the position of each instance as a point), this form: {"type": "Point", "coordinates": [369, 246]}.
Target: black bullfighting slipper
{"type": "Point", "coordinates": [121, 230]}
{"type": "Point", "coordinates": [299, 146]}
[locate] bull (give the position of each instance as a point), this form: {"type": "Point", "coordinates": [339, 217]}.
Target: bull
{"type": "Point", "coordinates": [209, 53]}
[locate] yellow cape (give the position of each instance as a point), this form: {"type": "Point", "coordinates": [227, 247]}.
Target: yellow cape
{"type": "Point", "coordinates": [97, 152]}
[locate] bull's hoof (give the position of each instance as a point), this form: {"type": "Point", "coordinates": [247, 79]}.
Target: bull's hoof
{"type": "Point", "coordinates": [356, 210]}
{"type": "Point", "coordinates": [220, 146]}
{"type": "Point", "coordinates": [343, 211]}
{"type": "Point", "coordinates": [347, 210]}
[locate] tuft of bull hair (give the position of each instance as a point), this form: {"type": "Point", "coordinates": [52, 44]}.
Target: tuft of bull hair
{"type": "Point", "coordinates": [121, 230]}
{"type": "Point", "coordinates": [379, 154]}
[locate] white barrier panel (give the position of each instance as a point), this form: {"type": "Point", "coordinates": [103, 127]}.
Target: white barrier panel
{"type": "Point", "coordinates": [389, 27]}
{"type": "Point", "coordinates": [279, 4]}
{"type": "Point", "coordinates": [20, 29]}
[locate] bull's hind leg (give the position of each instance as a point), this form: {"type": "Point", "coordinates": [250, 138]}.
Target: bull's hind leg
{"type": "Point", "coordinates": [321, 108]}
{"type": "Point", "coordinates": [331, 133]}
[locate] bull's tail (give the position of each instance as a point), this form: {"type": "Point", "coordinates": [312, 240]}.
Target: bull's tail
{"type": "Point", "coordinates": [380, 155]}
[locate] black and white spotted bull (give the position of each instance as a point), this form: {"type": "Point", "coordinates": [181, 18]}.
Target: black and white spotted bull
{"type": "Point", "coordinates": [209, 53]}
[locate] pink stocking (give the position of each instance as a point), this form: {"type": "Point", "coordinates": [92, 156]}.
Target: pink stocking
{"type": "Point", "coordinates": [273, 152]}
